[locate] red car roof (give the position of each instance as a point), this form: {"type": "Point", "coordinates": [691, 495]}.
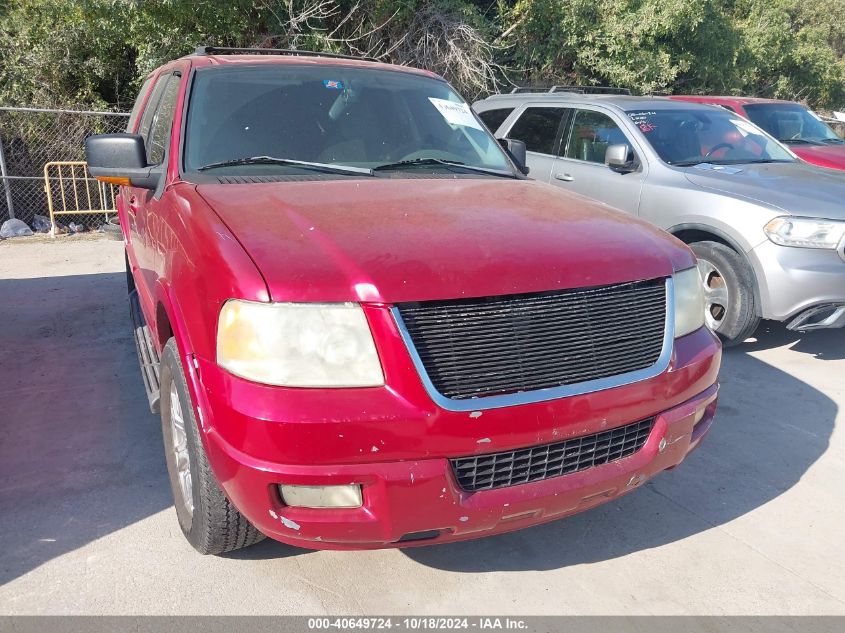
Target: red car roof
{"type": "Point", "coordinates": [315, 60]}
{"type": "Point", "coordinates": [726, 99]}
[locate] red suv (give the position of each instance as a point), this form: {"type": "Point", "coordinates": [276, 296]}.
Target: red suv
{"type": "Point", "coordinates": [364, 327]}
{"type": "Point", "coordinates": [793, 124]}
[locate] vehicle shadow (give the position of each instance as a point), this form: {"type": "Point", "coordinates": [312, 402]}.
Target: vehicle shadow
{"type": "Point", "coordinates": [80, 452]}
{"type": "Point", "coordinates": [81, 457]}
{"type": "Point", "coordinates": [822, 344]}
{"type": "Point", "coordinates": [770, 428]}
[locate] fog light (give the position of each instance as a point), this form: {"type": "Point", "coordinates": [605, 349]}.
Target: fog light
{"type": "Point", "coordinates": [321, 496]}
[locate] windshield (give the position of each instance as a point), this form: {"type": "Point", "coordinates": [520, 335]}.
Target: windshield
{"type": "Point", "coordinates": [791, 123]}
{"type": "Point", "coordinates": [331, 115]}
{"type": "Point", "coordinates": [711, 135]}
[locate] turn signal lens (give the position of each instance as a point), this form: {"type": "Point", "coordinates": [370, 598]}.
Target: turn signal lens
{"type": "Point", "coordinates": [114, 180]}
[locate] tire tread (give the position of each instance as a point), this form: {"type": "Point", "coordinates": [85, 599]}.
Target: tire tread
{"type": "Point", "coordinates": [743, 316]}
{"type": "Point", "coordinates": [217, 526]}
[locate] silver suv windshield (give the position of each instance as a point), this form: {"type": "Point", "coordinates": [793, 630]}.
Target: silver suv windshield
{"type": "Point", "coordinates": [791, 123]}
{"type": "Point", "coordinates": [287, 119]}
{"type": "Point", "coordinates": [708, 135]}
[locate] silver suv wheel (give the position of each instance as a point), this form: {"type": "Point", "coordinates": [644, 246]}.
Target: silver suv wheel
{"type": "Point", "coordinates": [716, 294]}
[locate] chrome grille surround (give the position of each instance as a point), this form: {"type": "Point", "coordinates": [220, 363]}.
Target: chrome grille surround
{"type": "Point", "coordinates": [552, 393]}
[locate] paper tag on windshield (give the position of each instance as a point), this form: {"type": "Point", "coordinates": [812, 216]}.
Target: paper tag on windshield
{"type": "Point", "coordinates": [455, 113]}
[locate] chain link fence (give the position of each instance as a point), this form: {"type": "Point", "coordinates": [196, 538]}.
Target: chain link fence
{"type": "Point", "coordinates": [32, 137]}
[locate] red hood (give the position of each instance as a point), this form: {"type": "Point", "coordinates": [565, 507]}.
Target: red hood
{"type": "Point", "coordinates": [393, 240]}
{"type": "Point", "coordinates": [832, 156]}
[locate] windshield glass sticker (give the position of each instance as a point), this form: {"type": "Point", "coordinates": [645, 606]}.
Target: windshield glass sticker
{"type": "Point", "coordinates": [642, 120]}
{"type": "Point", "coordinates": [455, 113]}
{"type": "Point", "coordinates": [333, 84]}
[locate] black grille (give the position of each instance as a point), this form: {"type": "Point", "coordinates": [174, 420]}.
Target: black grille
{"type": "Point", "coordinates": [497, 345]}
{"type": "Point", "coordinates": [498, 470]}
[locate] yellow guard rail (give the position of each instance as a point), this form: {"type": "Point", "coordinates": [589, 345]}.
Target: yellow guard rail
{"type": "Point", "coordinates": [71, 190]}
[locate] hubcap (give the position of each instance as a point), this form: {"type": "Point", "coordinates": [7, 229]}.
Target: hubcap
{"type": "Point", "coordinates": [180, 449]}
{"type": "Point", "coordinates": [715, 294]}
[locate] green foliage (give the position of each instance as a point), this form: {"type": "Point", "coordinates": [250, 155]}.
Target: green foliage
{"type": "Point", "coordinates": [780, 48]}
{"type": "Point", "coordinates": [95, 52]}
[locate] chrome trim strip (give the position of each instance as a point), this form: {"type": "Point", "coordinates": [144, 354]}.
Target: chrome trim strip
{"type": "Point", "coordinates": [552, 393]}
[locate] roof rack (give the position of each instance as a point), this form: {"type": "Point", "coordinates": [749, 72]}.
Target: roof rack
{"type": "Point", "coordinates": [584, 90]}
{"type": "Point", "coordinates": [227, 50]}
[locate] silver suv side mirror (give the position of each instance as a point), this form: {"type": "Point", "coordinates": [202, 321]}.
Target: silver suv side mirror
{"type": "Point", "coordinates": [620, 158]}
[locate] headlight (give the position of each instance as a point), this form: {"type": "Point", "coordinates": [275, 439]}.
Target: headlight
{"type": "Point", "coordinates": [805, 232]}
{"type": "Point", "coordinates": [298, 344]}
{"type": "Point", "coordinates": [689, 301]}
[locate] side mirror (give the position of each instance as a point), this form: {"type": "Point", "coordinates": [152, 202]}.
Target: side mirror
{"type": "Point", "coordinates": [620, 158]}
{"type": "Point", "coordinates": [517, 151]}
{"type": "Point", "coordinates": [121, 159]}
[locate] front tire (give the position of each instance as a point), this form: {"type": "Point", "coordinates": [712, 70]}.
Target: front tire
{"type": "Point", "coordinates": [208, 519]}
{"type": "Point", "coordinates": [730, 310]}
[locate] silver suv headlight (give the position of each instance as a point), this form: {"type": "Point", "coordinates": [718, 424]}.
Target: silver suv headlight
{"type": "Point", "coordinates": [298, 344]}
{"type": "Point", "coordinates": [689, 301]}
{"type": "Point", "coordinates": [805, 232]}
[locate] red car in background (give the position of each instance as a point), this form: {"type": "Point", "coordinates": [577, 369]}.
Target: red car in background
{"type": "Point", "coordinates": [793, 124]}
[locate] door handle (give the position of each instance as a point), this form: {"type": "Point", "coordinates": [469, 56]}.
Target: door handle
{"type": "Point", "coordinates": [133, 204]}
{"type": "Point", "coordinates": [564, 177]}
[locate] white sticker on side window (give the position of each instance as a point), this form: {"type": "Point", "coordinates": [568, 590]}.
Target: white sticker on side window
{"type": "Point", "coordinates": [455, 113]}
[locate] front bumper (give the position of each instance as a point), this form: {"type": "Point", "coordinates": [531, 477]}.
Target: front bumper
{"type": "Point", "coordinates": [398, 448]}
{"type": "Point", "coordinates": [794, 280]}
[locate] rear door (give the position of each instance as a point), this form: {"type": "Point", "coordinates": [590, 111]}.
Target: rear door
{"type": "Point", "coordinates": [580, 167]}
{"type": "Point", "coordinates": [539, 127]}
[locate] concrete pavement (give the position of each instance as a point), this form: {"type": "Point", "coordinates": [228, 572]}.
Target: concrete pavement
{"type": "Point", "coordinates": [751, 523]}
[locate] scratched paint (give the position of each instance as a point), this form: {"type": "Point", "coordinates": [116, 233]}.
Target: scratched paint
{"type": "Point", "coordinates": [293, 525]}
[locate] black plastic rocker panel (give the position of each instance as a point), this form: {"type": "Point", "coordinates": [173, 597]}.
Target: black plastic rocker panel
{"type": "Point", "coordinates": [147, 354]}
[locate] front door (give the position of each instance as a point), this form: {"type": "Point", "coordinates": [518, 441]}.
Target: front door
{"type": "Point", "coordinates": [142, 205]}
{"type": "Point", "coordinates": [580, 167]}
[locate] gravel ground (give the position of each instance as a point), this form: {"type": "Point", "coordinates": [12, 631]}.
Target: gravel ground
{"type": "Point", "coordinates": [751, 523]}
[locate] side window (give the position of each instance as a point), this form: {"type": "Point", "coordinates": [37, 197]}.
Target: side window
{"type": "Point", "coordinates": [494, 118]}
{"type": "Point", "coordinates": [591, 134]}
{"type": "Point", "coordinates": [538, 127]}
{"type": "Point", "coordinates": [160, 129]}
{"type": "Point", "coordinates": [136, 109]}
{"type": "Point", "coordinates": [152, 104]}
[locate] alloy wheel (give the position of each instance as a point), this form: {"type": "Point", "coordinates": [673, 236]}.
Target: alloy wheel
{"type": "Point", "coordinates": [179, 441]}
{"type": "Point", "coordinates": [716, 295]}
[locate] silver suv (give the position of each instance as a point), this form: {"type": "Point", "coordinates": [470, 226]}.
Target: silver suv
{"type": "Point", "coordinates": [768, 229]}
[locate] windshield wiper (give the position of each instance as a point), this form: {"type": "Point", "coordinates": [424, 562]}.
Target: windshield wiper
{"type": "Point", "coordinates": [272, 160]}
{"type": "Point", "coordinates": [832, 141]}
{"type": "Point", "coordinates": [798, 141]}
{"type": "Point", "coordinates": [693, 163]}
{"type": "Point", "coordinates": [725, 162]}
{"type": "Point", "coordinates": [439, 161]}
